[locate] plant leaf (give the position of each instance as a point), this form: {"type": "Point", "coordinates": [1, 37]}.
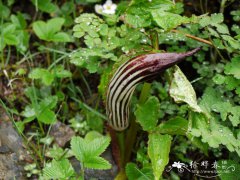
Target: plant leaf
{"type": "Point", "coordinates": [158, 151]}
{"type": "Point", "coordinates": [147, 113]}
{"type": "Point", "coordinates": [233, 67]}
{"type": "Point", "coordinates": [87, 151]}
{"type": "Point", "coordinates": [181, 90]}
{"type": "Point", "coordinates": [134, 173]}
{"type": "Point", "coordinates": [97, 163]}
{"type": "Point", "coordinates": [173, 126]}
{"type": "Point", "coordinates": [58, 170]}
{"type": "Point", "coordinates": [167, 20]}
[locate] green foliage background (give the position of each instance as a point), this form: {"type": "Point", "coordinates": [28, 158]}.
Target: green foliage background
{"type": "Point", "coordinates": [57, 59]}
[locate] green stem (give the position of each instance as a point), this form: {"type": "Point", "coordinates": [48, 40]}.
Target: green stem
{"type": "Point", "coordinates": [154, 39]}
{"type": "Point", "coordinates": [132, 132]}
{"type": "Point", "coordinates": [120, 139]}
{"type": "Point", "coordinates": [41, 127]}
{"type": "Point", "coordinates": [222, 7]}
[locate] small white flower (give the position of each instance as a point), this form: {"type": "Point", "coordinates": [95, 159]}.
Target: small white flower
{"type": "Point", "coordinates": [108, 8]}
{"type": "Point", "coordinates": [98, 8]}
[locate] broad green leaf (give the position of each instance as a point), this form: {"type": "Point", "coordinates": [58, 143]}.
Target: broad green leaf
{"type": "Point", "coordinates": [49, 102]}
{"type": "Point", "coordinates": [153, 4]}
{"type": "Point", "coordinates": [10, 39]}
{"type": "Point", "coordinates": [45, 5]}
{"type": "Point", "coordinates": [181, 90]}
{"type": "Point", "coordinates": [167, 20]}
{"type": "Point", "coordinates": [49, 31]}
{"type": "Point", "coordinates": [147, 113]}
{"type": "Point", "coordinates": [173, 126]}
{"type": "Point", "coordinates": [61, 169]}
{"type": "Point", "coordinates": [134, 173]}
{"type": "Point", "coordinates": [158, 151]}
{"type": "Point", "coordinates": [46, 116]}
{"type": "Point", "coordinates": [40, 28]}
{"type": "Point", "coordinates": [233, 67]}
{"type": "Point", "coordinates": [4, 11]}
{"type": "Point", "coordinates": [54, 25]}
{"type": "Point", "coordinates": [142, 20]}
{"type": "Point", "coordinates": [61, 37]}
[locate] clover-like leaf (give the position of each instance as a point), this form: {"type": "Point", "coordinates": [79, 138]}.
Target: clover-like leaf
{"type": "Point", "coordinates": [50, 30]}
{"type": "Point", "coordinates": [233, 67]}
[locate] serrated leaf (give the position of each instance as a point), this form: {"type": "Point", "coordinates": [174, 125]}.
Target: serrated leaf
{"type": "Point", "coordinates": [181, 90]}
{"type": "Point", "coordinates": [97, 163]}
{"type": "Point", "coordinates": [158, 151]}
{"type": "Point", "coordinates": [233, 67]}
{"type": "Point", "coordinates": [213, 132]}
{"type": "Point", "coordinates": [234, 115]}
{"type": "Point", "coordinates": [217, 18]}
{"type": "Point", "coordinates": [147, 113]}
{"type": "Point", "coordinates": [77, 146]}
{"type": "Point", "coordinates": [222, 28]}
{"type": "Point", "coordinates": [99, 145]}
{"type": "Point", "coordinates": [223, 108]}
{"type": "Point", "coordinates": [61, 169]}
{"type": "Point", "coordinates": [87, 151]}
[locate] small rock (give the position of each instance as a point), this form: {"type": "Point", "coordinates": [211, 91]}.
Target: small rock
{"type": "Point", "coordinates": [11, 149]}
{"type": "Point", "coordinates": [61, 133]}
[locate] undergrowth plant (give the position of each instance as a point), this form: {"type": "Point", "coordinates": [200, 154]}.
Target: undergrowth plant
{"type": "Point", "coordinates": [111, 38]}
